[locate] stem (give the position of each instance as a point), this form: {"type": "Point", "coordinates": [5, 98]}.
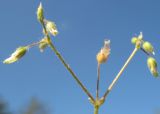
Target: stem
{"type": "Point", "coordinates": [70, 70]}
{"type": "Point", "coordinates": [120, 72]}
{"type": "Point", "coordinates": [96, 108]}
{"type": "Point", "coordinates": [65, 64]}
{"type": "Point", "coordinates": [33, 44]}
{"type": "Point", "coordinates": [98, 78]}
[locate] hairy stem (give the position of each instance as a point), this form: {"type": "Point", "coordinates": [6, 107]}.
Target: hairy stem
{"type": "Point", "coordinates": [120, 72]}
{"type": "Point", "coordinates": [70, 70]}
{"type": "Point", "coordinates": [98, 78]}
{"type": "Point", "coordinates": [96, 109]}
{"type": "Point", "coordinates": [64, 63]}
{"type": "Point", "coordinates": [33, 44]}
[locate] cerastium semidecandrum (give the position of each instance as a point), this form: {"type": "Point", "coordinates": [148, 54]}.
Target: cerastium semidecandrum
{"type": "Point", "coordinates": [50, 29]}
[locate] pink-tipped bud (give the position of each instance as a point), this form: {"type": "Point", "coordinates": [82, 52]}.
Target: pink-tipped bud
{"type": "Point", "coordinates": [103, 55]}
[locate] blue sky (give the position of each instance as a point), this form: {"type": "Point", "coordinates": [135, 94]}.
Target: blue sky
{"type": "Point", "coordinates": [83, 25]}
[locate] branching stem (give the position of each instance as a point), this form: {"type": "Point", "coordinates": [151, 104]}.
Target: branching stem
{"type": "Point", "coordinates": [120, 72]}
{"type": "Point", "coordinates": [33, 44]}
{"type": "Point", "coordinates": [65, 64]}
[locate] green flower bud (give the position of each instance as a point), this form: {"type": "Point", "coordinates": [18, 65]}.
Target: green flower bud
{"type": "Point", "coordinates": [147, 46]}
{"type": "Point", "coordinates": [43, 44]}
{"type": "Point", "coordinates": [152, 65]}
{"type": "Point", "coordinates": [134, 40]}
{"type": "Point", "coordinates": [19, 53]}
{"type": "Point", "coordinates": [51, 28]}
{"type": "Point", "coordinates": [40, 16]}
{"type": "Point", "coordinates": [137, 40]}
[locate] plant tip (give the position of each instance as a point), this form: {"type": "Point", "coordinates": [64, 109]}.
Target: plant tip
{"type": "Point", "coordinates": [40, 16]}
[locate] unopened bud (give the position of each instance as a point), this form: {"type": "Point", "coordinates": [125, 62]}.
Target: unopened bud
{"type": "Point", "coordinates": [147, 46]}
{"type": "Point", "coordinates": [152, 65]}
{"type": "Point", "coordinates": [40, 16]}
{"type": "Point", "coordinates": [137, 40]}
{"type": "Point", "coordinates": [51, 28]}
{"type": "Point", "coordinates": [102, 56]}
{"type": "Point", "coordinates": [19, 53]}
{"type": "Point", "coordinates": [134, 40]}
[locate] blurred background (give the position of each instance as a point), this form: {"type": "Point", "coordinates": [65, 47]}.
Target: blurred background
{"type": "Point", "coordinates": [39, 84]}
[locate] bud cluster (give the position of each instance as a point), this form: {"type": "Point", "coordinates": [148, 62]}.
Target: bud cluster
{"type": "Point", "coordinates": [149, 50]}
{"type": "Point", "coordinates": [49, 27]}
